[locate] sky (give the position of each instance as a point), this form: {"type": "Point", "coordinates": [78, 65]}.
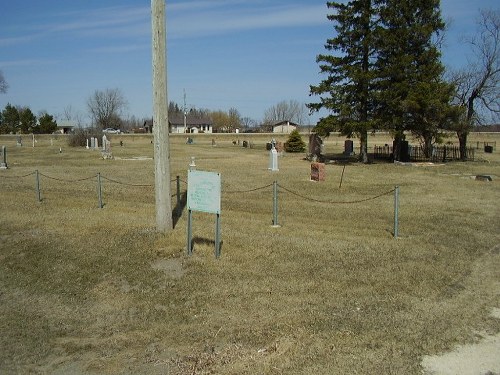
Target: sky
{"type": "Point", "coordinates": [243, 54]}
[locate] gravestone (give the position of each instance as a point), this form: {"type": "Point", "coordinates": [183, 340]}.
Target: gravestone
{"type": "Point", "coordinates": [404, 152]}
{"type": "Point", "coordinates": [3, 158]}
{"type": "Point", "coordinates": [19, 141]}
{"type": "Point", "coordinates": [92, 143]}
{"type": "Point", "coordinates": [315, 146]}
{"type": "Point", "coordinates": [348, 147]}
{"type": "Point", "coordinates": [401, 151]}
{"type": "Point", "coordinates": [273, 160]}
{"type": "Point", "coordinates": [106, 148]}
{"type": "Point", "coordinates": [104, 140]}
{"type": "Point", "coordinates": [192, 165]}
{"type": "Point", "coordinates": [317, 171]}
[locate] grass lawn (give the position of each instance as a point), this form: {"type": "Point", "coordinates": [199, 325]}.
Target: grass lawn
{"type": "Point", "coordinates": [96, 290]}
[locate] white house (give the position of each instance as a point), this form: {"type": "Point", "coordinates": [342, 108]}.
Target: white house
{"type": "Point", "coordinates": [284, 127]}
{"type": "Point", "coordinates": [192, 124]}
{"type": "Point", "coordinates": [66, 126]}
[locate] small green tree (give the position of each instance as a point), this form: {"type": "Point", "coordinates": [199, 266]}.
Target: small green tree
{"type": "Point", "coordinates": [47, 124]}
{"type": "Point", "coordinates": [295, 142]}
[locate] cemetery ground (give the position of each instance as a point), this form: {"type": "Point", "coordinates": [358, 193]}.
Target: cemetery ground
{"type": "Point", "coordinates": [89, 290]}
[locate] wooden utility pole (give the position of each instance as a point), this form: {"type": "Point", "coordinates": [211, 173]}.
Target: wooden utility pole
{"type": "Point", "coordinates": [164, 221]}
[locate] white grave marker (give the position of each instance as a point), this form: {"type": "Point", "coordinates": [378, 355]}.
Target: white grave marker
{"type": "Point", "coordinates": [273, 159]}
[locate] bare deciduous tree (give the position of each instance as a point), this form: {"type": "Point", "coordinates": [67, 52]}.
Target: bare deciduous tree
{"type": "Point", "coordinates": [248, 122]}
{"type": "Point", "coordinates": [477, 85]}
{"type": "Point", "coordinates": [285, 111]}
{"type": "Point", "coordinates": [3, 84]}
{"type": "Point", "coordinates": [105, 108]}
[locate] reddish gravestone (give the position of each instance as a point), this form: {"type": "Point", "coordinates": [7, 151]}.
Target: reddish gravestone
{"type": "Point", "coordinates": [317, 171]}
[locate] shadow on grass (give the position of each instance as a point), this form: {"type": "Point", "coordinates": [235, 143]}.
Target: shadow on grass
{"type": "Point", "coordinates": [342, 159]}
{"type": "Point", "coordinates": [179, 208]}
{"type": "Point", "coordinates": [204, 241]}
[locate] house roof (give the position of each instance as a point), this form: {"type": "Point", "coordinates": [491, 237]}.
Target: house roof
{"type": "Point", "coordinates": [179, 120]}
{"type": "Point", "coordinates": [286, 123]}
{"type": "Point", "coordinates": [66, 124]}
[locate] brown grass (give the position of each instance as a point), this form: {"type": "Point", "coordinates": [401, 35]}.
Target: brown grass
{"type": "Point", "coordinates": [89, 290]}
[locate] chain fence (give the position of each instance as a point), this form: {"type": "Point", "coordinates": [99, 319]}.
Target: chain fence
{"type": "Point", "coordinates": [181, 196]}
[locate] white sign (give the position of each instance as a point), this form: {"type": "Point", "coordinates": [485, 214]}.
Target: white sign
{"type": "Point", "coordinates": [204, 191]}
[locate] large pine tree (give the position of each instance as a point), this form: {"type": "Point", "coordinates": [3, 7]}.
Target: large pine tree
{"type": "Point", "coordinates": [411, 92]}
{"type": "Point", "coordinates": [346, 92]}
{"type": "Point", "coordinates": [384, 71]}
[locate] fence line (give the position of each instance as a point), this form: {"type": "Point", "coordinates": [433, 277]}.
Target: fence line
{"type": "Point", "coordinates": [126, 184]}
{"type": "Point", "coordinates": [275, 186]}
{"type": "Point", "coordinates": [64, 180]}
{"type": "Point", "coordinates": [416, 153]}
{"type": "Point", "coordinates": [249, 190]}
{"type": "Point", "coordinates": [226, 192]}
{"type": "Point", "coordinates": [336, 202]}
{"type": "Point", "coordinates": [26, 175]}
{"type": "Point", "coordinates": [486, 143]}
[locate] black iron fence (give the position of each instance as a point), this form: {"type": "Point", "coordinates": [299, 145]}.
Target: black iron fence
{"type": "Point", "coordinates": [416, 153]}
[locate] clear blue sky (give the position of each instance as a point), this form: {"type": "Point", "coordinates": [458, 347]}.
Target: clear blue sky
{"type": "Point", "coordinates": [246, 54]}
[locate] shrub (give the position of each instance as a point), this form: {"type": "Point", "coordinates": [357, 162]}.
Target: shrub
{"type": "Point", "coordinates": [295, 142]}
{"type": "Point", "coordinates": [80, 136]}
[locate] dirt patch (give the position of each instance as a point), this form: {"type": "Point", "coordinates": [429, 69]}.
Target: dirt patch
{"type": "Point", "coordinates": [171, 267]}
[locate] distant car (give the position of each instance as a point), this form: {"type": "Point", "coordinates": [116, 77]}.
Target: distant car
{"type": "Point", "coordinates": [111, 131]}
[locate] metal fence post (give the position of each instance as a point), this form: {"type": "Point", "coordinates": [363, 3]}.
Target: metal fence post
{"type": "Point", "coordinates": [178, 181]}
{"type": "Point", "coordinates": [396, 211]}
{"type": "Point", "coordinates": [99, 191]}
{"type": "Point", "coordinates": [275, 204]}
{"type": "Point", "coordinates": [37, 186]}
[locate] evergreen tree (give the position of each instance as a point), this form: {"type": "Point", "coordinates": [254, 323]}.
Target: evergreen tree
{"type": "Point", "coordinates": [412, 94]}
{"type": "Point", "coordinates": [347, 92]}
{"type": "Point", "coordinates": [27, 121]}
{"type": "Point", "coordinates": [295, 142]}
{"type": "Point", "coordinates": [10, 120]}
{"type": "Point", "coordinates": [47, 124]}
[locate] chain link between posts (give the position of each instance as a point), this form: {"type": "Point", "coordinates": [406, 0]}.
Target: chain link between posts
{"type": "Point", "coordinates": [284, 188]}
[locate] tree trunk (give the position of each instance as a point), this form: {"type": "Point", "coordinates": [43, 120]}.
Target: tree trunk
{"type": "Point", "coordinates": [462, 139]}
{"type": "Point", "coordinates": [428, 147]}
{"type": "Point", "coordinates": [363, 150]}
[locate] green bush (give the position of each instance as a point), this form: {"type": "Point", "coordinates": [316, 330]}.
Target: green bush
{"type": "Point", "coordinates": [295, 143]}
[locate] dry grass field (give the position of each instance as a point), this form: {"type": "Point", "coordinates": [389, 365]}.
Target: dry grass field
{"type": "Point", "coordinates": [89, 290]}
